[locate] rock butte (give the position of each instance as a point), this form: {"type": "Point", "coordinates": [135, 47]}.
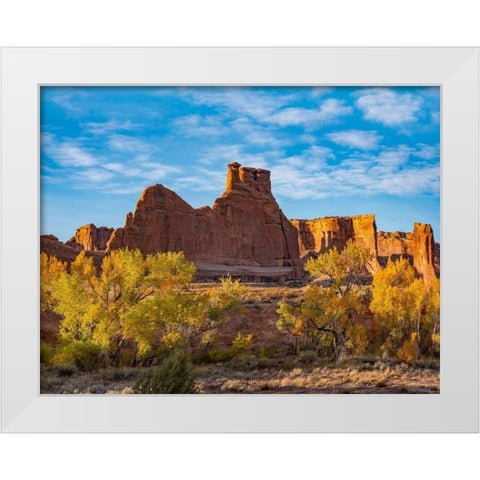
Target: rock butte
{"type": "Point", "coordinates": [89, 237]}
{"type": "Point", "coordinates": [244, 227]}
{"type": "Point", "coordinates": [245, 233]}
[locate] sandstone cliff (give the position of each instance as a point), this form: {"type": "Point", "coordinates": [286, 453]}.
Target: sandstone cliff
{"type": "Point", "coordinates": [89, 237]}
{"type": "Point", "coordinates": [413, 246]}
{"type": "Point", "coordinates": [423, 251]}
{"type": "Point", "coordinates": [394, 245]}
{"type": "Point", "coordinates": [245, 234]}
{"type": "Point", "coordinates": [321, 234]}
{"type": "Point", "coordinates": [244, 227]}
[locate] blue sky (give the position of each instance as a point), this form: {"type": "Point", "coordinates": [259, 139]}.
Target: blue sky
{"type": "Point", "coordinates": [331, 150]}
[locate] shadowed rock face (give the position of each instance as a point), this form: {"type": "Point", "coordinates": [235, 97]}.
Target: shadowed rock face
{"type": "Point", "coordinates": [89, 237]}
{"type": "Point", "coordinates": [245, 226]}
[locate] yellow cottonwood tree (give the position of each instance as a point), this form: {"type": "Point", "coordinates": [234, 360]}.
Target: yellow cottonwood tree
{"type": "Point", "coordinates": [145, 300]}
{"type": "Point", "coordinates": [399, 300]}
{"type": "Point", "coordinates": [327, 312]}
{"type": "Point", "coordinates": [50, 270]}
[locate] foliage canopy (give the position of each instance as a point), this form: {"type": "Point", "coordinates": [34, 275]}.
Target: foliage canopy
{"type": "Point", "coordinates": [325, 316]}
{"type": "Point", "coordinates": [143, 301]}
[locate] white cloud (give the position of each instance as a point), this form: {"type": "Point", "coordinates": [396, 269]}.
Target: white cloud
{"type": "Point", "coordinates": [387, 106]}
{"type": "Point", "coordinates": [91, 175]}
{"type": "Point", "coordinates": [202, 179]}
{"type": "Point", "coordinates": [101, 128]}
{"type": "Point", "coordinates": [316, 92]}
{"type": "Point", "coordinates": [258, 134]}
{"type": "Point", "coordinates": [126, 143]}
{"type": "Point", "coordinates": [331, 109]}
{"type": "Point", "coordinates": [125, 170]}
{"type": "Point", "coordinates": [389, 172]}
{"type": "Point", "coordinates": [225, 154]}
{"type": "Point", "coordinates": [155, 171]}
{"type": "Point", "coordinates": [427, 152]}
{"type": "Point", "coordinates": [361, 139]}
{"type": "Point", "coordinates": [294, 182]}
{"type": "Point", "coordinates": [67, 153]}
{"type": "Point", "coordinates": [255, 104]}
{"type": "Point", "coordinates": [306, 138]}
{"type": "Point", "coordinates": [68, 101]}
{"type": "Point", "coordinates": [200, 126]}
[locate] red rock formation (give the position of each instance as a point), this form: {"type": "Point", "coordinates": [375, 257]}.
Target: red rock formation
{"type": "Point", "coordinates": [245, 226]}
{"type": "Point", "coordinates": [50, 245]}
{"type": "Point", "coordinates": [89, 237]}
{"type": "Point", "coordinates": [245, 233]}
{"type": "Point", "coordinates": [393, 245]}
{"type": "Point", "coordinates": [321, 234]}
{"type": "Point", "coordinates": [418, 247]}
{"type": "Point", "coordinates": [423, 251]}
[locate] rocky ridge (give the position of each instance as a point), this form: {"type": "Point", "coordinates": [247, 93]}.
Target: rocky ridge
{"type": "Point", "coordinates": [245, 234]}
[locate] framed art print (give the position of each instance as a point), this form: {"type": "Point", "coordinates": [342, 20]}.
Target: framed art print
{"type": "Point", "coordinates": [234, 239]}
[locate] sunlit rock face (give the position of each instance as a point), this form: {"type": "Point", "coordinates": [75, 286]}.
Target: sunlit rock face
{"type": "Point", "coordinates": [423, 251]}
{"type": "Point", "coordinates": [90, 237]}
{"type": "Point", "coordinates": [319, 235]}
{"type": "Point", "coordinates": [322, 234]}
{"type": "Point", "coordinates": [245, 226]}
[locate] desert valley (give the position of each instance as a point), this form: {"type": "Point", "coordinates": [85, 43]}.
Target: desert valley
{"type": "Point", "coordinates": [236, 298]}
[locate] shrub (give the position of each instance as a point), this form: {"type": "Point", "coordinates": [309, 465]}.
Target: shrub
{"type": "Point", "coordinates": [175, 375]}
{"type": "Point", "coordinates": [409, 351]}
{"type": "Point", "coordinates": [306, 357]}
{"type": "Point", "coordinates": [66, 369]}
{"type": "Point", "coordinates": [85, 356]}
{"type": "Point", "coordinates": [240, 344]}
{"type": "Point", "coordinates": [97, 389]}
{"type": "Point", "coordinates": [267, 351]}
{"type": "Point", "coordinates": [216, 355]}
{"type": "Point", "coordinates": [116, 374]}
{"type": "Point", "coordinates": [46, 353]}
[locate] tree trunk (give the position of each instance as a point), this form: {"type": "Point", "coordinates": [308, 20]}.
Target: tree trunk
{"type": "Point", "coordinates": [340, 348]}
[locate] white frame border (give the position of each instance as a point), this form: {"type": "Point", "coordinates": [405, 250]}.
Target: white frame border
{"type": "Point", "coordinates": [455, 409]}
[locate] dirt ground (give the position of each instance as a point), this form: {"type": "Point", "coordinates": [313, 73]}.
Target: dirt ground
{"type": "Point", "coordinates": [250, 375]}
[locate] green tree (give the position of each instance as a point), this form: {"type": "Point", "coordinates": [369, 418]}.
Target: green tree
{"type": "Point", "coordinates": [326, 313]}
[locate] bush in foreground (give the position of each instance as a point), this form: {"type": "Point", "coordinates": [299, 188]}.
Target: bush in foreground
{"type": "Point", "coordinates": [175, 375]}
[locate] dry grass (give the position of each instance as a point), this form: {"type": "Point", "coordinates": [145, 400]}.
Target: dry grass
{"type": "Point", "coordinates": [263, 378]}
{"type": "Point", "coordinates": [392, 379]}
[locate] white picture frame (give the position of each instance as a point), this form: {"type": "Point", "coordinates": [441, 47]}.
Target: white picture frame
{"type": "Point", "coordinates": [455, 409]}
